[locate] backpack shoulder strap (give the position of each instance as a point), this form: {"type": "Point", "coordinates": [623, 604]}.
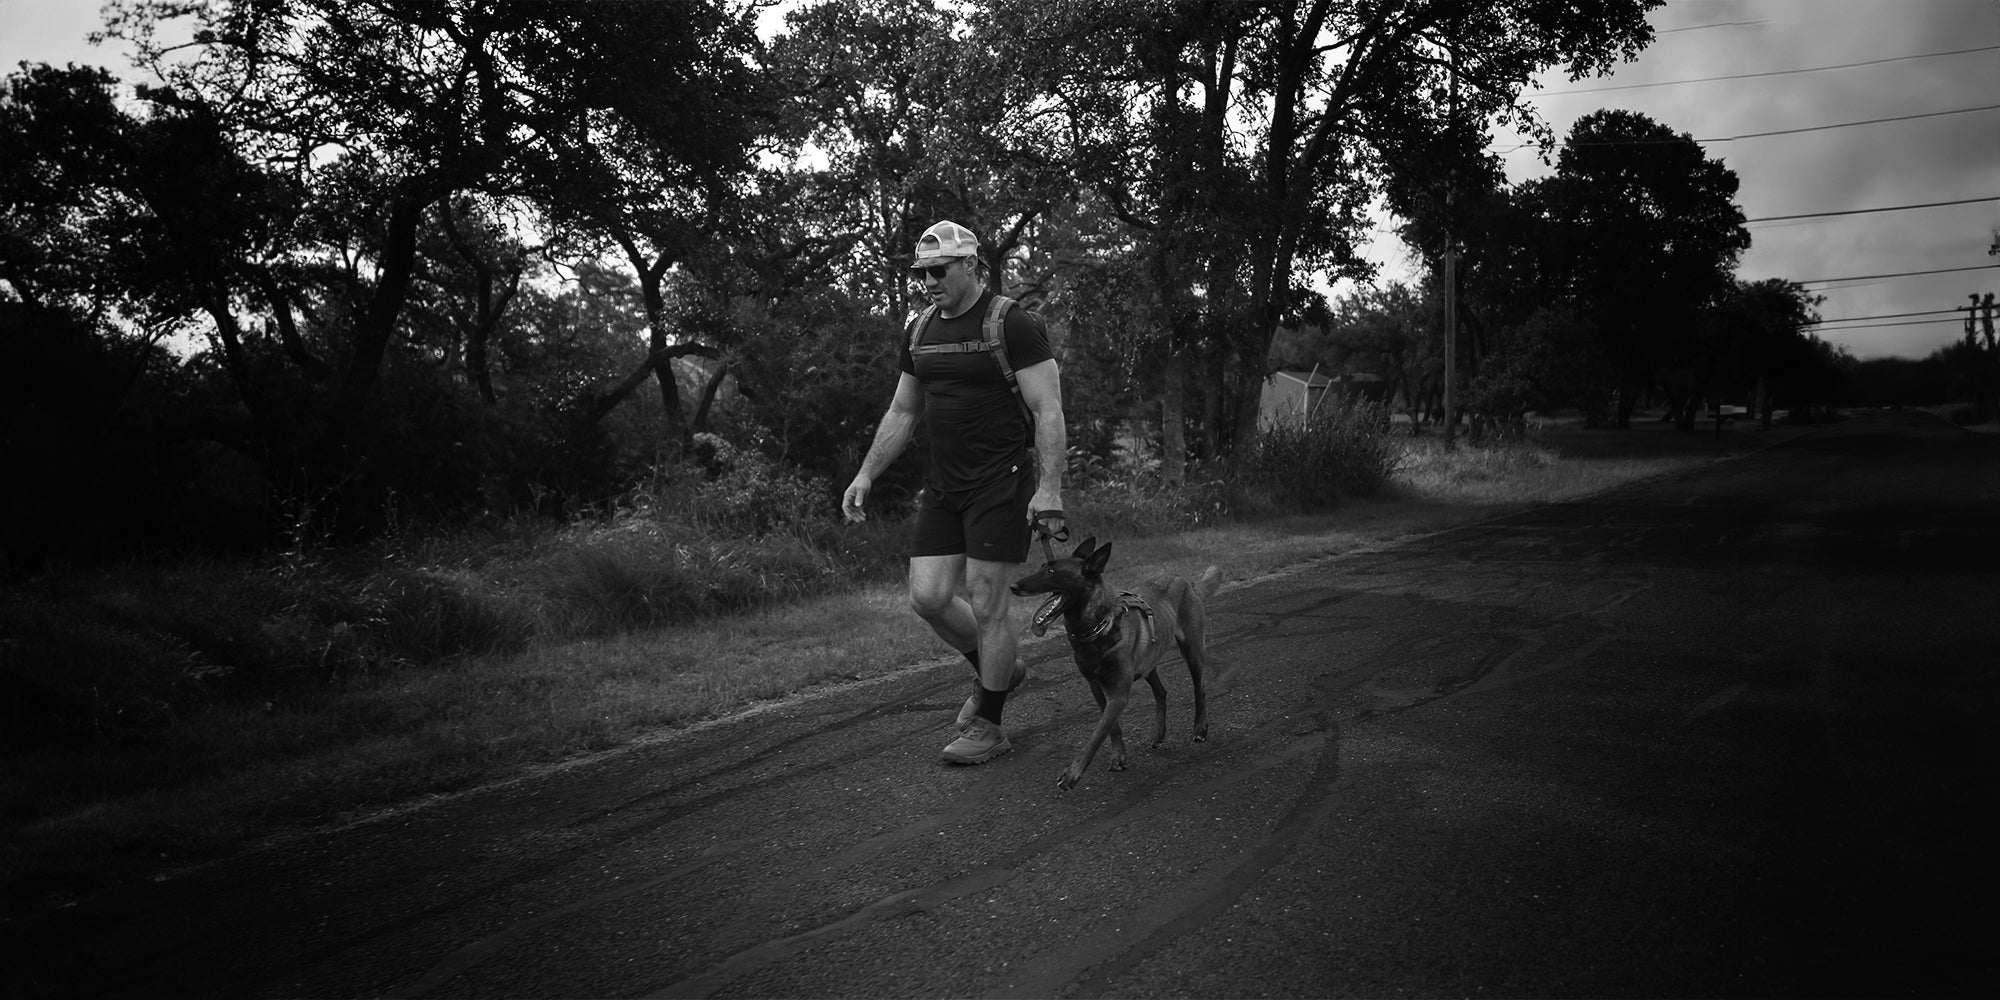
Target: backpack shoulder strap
{"type": "Point", "coordinates": [994, 329]}
{"type": "Point", "coordinates": [992, 340]}
{"type": "Point", "coordinates": [917, 327]}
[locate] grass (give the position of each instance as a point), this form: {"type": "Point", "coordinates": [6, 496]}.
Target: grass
{"type": "Point", "coordinates": [193, 709]}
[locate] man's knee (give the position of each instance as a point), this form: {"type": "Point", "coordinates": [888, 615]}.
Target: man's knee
{"type": "Point", "coordinates": [986, 587]}
{"type": "Point", "coordinates": [933, 585]}
{"type": "Point", "coordinates": [930, 604]}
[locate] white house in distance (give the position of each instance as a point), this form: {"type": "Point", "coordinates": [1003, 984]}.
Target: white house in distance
{"type": "Point", "coordinates": [1291, 397]}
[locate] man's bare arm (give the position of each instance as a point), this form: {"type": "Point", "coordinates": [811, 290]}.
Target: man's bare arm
{"type": "Point", "coordinates": [892, 435]}
{"type": "Point", "coordinates": [1041, 389]}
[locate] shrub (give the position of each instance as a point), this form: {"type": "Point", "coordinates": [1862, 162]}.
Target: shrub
{"type": "Point", "coordinates": [1310, 466]}
{"type": "Point", "coordinates": [640, 571]}
{"type": "Point", "coordinates": [421, 616]}
{"type": "Point", "coordinates": [727, 490]}
{"type": "Point", "coordinates": [70, 673]}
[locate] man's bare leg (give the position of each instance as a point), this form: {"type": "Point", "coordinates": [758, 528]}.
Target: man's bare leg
{"type": "Point", "coordinates": [934, 597]}
{"type": "Point", "coordinates": [986, 582]}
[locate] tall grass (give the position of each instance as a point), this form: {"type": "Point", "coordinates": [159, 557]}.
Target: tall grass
{"type": "Point", "coordinates": [1523, 471]}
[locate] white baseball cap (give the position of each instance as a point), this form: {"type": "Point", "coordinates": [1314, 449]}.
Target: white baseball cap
{"type": "Point", "coordinates": [946, 241]}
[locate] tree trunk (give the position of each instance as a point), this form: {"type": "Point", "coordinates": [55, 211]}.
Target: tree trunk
{"type": "Point", "coordinates": [1628, 400]}
{"type": "Point", "coordinates": [674, 436]}
{"type": "Point", "coordinates": [232, 356]}
{"type": "Point", "coordinates": [378, 320]}
{"type": "Point", "coordinates": [598, 405]}
{"type": "Point", "coordinates": [288, 328]}
{"type": "Point", "coordinates": [1173, 415]}
{"type": "Point", "coordinates": [487, 309]}
{"type": "Point", "coordinates": [707, 400]}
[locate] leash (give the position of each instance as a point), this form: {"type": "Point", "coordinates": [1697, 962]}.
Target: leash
{"type": "Point", "coordinates": [1042, 532]}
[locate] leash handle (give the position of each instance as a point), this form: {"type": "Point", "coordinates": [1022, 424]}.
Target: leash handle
{"type": "Point", "coordinates": [1042, 517]}
{"type": "Point", "coordinates": [1042, 532]}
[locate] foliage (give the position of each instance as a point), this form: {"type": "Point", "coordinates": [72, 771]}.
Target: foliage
{"type": "Point", "coordinates": [446, 244]}
{"type": "Point", "coordinates": [1550, 361]}
{"type": "Point", "coordinates": [816, 374]}
{"type": "Point", "coordinates": [1339, 453]}
{"type": "Point", "coordinates": [1650, 235]}
{"type": "Point", "coordinates": [1393, 332]}
{"type": "Point", "coordinates": [1233, 207]}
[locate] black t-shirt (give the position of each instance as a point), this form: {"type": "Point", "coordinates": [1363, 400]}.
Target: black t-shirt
{"type": "Point", "coordinates": [977, 431]}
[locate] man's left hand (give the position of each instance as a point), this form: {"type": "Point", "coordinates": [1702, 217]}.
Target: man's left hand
{"type": "Point", "coordinates": [1050, 523]}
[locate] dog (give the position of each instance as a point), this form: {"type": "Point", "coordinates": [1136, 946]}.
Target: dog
{"type": "Point", "coordinates": [1116, 640]}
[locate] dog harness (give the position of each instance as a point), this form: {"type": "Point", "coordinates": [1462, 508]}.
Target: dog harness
{"type": "Point", "coordinates": [1127, 601]}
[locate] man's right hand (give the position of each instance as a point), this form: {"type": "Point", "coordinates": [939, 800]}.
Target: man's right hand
{"type": "Point", "coordinates": [854, 499]}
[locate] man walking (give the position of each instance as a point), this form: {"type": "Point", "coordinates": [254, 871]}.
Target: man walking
{"type": "Point", "coordinates": [984, 409]}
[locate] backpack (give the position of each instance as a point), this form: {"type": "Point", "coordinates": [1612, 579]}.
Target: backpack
{"type": "Point", "coordinates": [993, 340]}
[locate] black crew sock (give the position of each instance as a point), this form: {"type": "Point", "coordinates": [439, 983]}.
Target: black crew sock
{"type": "Point", "coordinates": [990, 704]}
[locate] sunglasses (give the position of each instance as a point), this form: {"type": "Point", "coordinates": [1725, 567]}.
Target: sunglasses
{"type": "Point", "coordinates": [936, 270]}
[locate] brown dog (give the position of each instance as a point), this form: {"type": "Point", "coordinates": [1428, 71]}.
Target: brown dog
{"type": "Point", "coordinates": [1116, 640]}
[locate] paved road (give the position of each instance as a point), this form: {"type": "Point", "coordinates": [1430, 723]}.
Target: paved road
{"type": "Point", "coordinates": [1725, 733]}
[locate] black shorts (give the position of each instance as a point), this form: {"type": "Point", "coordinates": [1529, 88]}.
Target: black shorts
{"type": "Point", "coordinates": [989, 523]}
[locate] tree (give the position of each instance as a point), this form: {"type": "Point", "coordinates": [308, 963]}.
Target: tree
{"type": "Point", "coordinates": [919, 115]}
{"type": "Point", "coordinates": [1268, 126]}
{"type": "Point", "coordinates": [1765, 325]}
{"type": "Point", "coordinates": [653, 114]}
{"type": "Point", "coordinates": [1647, 234]}
{"type": "Point", "coordinates": [405, 131]}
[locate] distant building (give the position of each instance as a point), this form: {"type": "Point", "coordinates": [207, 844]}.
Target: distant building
{"type": "Point", "coordinates": [1292, 397]}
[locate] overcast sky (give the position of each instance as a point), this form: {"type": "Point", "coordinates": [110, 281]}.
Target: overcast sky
{"type": "Point", "coordinates": [1941, 158]}
{"type": "Point", "coordinates": [1928, 155]}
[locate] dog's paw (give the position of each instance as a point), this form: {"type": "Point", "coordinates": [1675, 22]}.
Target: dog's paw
{"type": "Point", "coordinates": [1201, 737]}
{"type": "Point", "coordinates": [1068, 779]}
{"type": "Point", "coordinates": [1118, 763]}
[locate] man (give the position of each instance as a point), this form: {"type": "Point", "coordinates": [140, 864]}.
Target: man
{"type": "Point", "coordinates": [973, 518]}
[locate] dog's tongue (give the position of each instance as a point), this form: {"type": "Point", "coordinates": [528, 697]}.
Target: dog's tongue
{"type": "Point", "coordinates": [1047, 613]}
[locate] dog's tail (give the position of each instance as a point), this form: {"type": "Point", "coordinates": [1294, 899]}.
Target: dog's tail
{"type": "Point", "coordinates": [1211, 580]}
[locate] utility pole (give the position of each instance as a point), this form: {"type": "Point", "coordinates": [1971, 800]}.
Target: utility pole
{"type": "Point", "coordinates": [1451, 279]}
{"type": "Point", "coordinates": [1450, 340]}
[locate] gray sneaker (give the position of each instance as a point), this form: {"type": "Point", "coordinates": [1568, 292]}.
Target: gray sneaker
{"type": "Point", "coordinates": [978, 742]}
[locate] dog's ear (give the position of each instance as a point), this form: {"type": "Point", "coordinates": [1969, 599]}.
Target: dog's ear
{"type": "Point", "coordinates": [1083, 551]}
{"type": "Point", "coordinates": [1093, 564]}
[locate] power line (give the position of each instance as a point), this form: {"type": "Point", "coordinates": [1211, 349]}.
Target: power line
{"type": "Point", "coordinates": [1883, 326]}
{"type": "Point", "coordinates": [1756, 135]}
{"type": "Point", "coordinates": [1752, 76]}
{"type": "Point", "coordinates": [1870, 121]}
{"type": "Point", "coordinates": [1718, 24]}
{"type": "Point", "coordinates": [1865, 211]}
{"type": "Point", "coordinates": [1927, 312]}
{"type": "Point", "coordinates": [1897, 274]}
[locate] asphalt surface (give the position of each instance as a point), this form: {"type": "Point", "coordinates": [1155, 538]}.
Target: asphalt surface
{"type": "Point", "coordinates": [1726, 733]}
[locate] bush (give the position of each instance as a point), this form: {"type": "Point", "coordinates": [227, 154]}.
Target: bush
{"type": "Point", "coordinates": [615, 588]}
{"type": "Point", "coordinates": [69, 674]}
{"type": "Point", "coordinates": [1311, 466]}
